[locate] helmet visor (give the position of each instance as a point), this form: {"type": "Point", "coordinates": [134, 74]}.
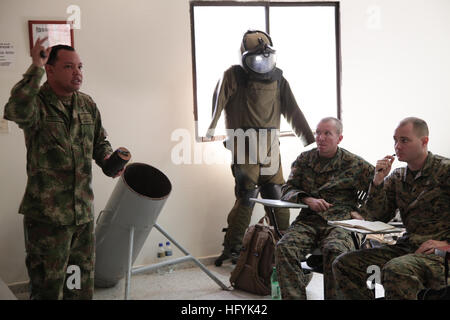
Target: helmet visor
{"type": "Point", "coordinates": [260, 62]}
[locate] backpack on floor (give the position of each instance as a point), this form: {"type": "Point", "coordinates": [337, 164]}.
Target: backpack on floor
{"type": "Point", "coordinates": [256, 259]}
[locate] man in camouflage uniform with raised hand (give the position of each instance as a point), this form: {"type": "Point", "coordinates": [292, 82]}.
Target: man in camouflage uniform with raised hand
{"type": "Point", "coordinates": [421, 191]}
{"type": "Point", "coordinates": [63, 133]}
{"type": "Point", "coordinates": [327, 179]}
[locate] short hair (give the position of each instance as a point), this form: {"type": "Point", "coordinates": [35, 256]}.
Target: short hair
{"type": "Point", "coordinates": [420, 127]}
{"type": "Point", "coordinates": [54, 52]}
{"type": "Point", "coordinates": [337, 124]}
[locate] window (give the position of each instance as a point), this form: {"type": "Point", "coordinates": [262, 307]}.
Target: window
{"type": "Point", "coordinates": [306, 36]}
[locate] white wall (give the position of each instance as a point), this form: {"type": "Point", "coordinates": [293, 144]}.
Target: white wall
{"type": "Point", "coordinates": [137, 57]}
{"type": "Point", "coordinates": [400, 69]}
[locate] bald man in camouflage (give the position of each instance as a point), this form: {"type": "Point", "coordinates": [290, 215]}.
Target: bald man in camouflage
{"type": "Point", "coordinates": [63, 134]}
{"type": "Point", "coordinates": [327, 179]}
{"type": "Point", "coordinates": [421, 191]}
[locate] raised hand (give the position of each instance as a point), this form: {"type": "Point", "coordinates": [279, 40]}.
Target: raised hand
{"type": "Point", "coordinates": [382, 169]}
{"type": "Point", "coordinates": [38, 59]}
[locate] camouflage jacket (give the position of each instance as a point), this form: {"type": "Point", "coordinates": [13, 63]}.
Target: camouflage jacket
{"type": "Point", "coordinates": [423, 200]}
{"type": "Point", "coordinates": [257, 104]}
{"type": "Point", "coordinates": [335, 180]}
{"type": "Point", "coordinates": [60, 148]}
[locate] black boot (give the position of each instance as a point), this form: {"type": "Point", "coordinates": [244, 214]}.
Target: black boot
{"type": "Point", "coordinates": [226, 255]}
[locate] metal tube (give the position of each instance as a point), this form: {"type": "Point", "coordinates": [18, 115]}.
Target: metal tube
{"type": "Point", "coordinates": [212, 276]}
{"type": "Point", "coordinates": [158, 265]}
{"type": "Point", "coordinates": [137, 201]}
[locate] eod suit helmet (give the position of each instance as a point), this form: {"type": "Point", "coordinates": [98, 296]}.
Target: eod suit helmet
{"type": "Point", "coordinates": [257, 52]}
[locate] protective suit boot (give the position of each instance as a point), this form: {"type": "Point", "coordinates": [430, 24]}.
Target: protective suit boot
{"type": "Point", "coordinates": [226, 255]}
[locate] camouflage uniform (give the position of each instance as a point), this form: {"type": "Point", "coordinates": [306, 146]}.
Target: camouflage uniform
{"type": "Point", "coordinates": [255, 104]}
{"type": "Point", "coordinates": [423, 199]}
{"type": "Point", "coordinates": [61, 141]}
{"type": "Point", "coordinates": [50, 250]}
{"type": "Point", "coordinates": [337, 181]}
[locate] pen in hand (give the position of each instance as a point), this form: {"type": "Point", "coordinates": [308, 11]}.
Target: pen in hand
{"type": "Point", "coordinates": [381, 169]}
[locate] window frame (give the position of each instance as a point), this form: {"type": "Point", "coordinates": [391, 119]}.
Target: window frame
{"type": "Point", "coordinates": [267, 6]}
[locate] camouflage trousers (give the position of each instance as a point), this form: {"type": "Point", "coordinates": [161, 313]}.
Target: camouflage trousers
{"type": "Point", "coordinates": [248, 184]}
{"type": "Point", "coordinates": [305, 234]}
{"type": "Point", "coordinates": [56, 255]}
{"type": "Point", "coordinates": [403, 273]}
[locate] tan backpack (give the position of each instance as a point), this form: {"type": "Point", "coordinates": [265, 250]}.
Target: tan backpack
{"type": "Point", "coordinates": [256, 259]}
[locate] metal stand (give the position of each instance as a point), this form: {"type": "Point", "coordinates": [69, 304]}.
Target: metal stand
{"type": "Point", "coordinates": [131, 271]}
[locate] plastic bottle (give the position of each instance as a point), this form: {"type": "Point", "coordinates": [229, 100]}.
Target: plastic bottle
{"type": "Point", "coordinates": [276, 294]}
{"type": "Point", "coordinates": [161, 257]}
{"type": "Point", "coordinates": [168, 251]}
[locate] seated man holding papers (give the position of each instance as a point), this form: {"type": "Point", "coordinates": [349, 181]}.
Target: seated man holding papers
{"type": "Point", "coordinates": [421, 191]}
{"type": "Point", "coordinates": [327, 179]}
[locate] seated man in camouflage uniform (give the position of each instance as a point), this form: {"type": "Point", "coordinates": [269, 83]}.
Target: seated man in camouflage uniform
{"type": "Point", "coordinates": [421, 191]}
{"type": "Point", "coordinates": [63, 133]}
{"type": "Point", "coordinates": [326, 178]}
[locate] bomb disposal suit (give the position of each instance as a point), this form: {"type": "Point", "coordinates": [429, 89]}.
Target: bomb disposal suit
{"type": "Point", "coordinates": [254, 95]}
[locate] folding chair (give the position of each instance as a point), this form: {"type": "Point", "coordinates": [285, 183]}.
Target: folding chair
{"type": "Point", "coordinates": [313, 262]}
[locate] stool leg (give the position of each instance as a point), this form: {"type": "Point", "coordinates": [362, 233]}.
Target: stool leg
{"type": "Point", "coordinates": [130, 258]}
{"type": "Point", "coordinates": [273, 221]}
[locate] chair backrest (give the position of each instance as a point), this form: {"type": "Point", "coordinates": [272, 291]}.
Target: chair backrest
{"type": "Point", "coordinates": [361, 197]}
